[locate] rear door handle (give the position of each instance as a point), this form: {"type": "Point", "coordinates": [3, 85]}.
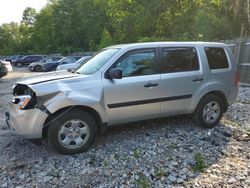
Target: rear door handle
{"type": "Point", "coordinates": [198, 79]}
{"type": "Point", "coordinates": [151, 85]}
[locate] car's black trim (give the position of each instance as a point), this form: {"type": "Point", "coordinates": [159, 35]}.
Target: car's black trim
{"type": "Point", "coordinates": [148, 101]}
{"type": "Point", "coordinates": [44, 109]}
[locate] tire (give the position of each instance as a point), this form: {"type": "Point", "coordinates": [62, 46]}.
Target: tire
{"type": "Point", "coordinates": [19, 64]}
{"type": "Point", "coordinates": [73, 132]}
{"type": "Point", "coordinates": [38, 68]}
{"type": "Point", "coordinates": [209, 111]}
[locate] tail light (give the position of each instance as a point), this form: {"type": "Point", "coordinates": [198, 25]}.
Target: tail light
{"type": "Point", "coordinates": [237, 78]}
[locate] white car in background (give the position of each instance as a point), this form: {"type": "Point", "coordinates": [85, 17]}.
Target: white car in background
{"type": "Point", "coordinates": [7, 65]}
{"type": "Point", "coordinates": [75, 65]}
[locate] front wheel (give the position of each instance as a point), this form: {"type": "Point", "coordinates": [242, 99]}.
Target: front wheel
{"type": "Point", "coordinates": [74, 132]}
{"type": "Point", "coordinates": [38, 68]}
{"type": "Point", "coordinates": [209, 111]}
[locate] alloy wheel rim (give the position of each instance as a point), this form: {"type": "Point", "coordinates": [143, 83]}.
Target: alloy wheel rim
{"type": "Point", "coordinates": [211, 112]}
{"type": "Point", "coordinates": [73, 134]}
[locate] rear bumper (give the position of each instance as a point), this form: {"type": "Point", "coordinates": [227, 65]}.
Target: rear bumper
{"type": "Point", "coordinates": [232, 95]}
{"type": "Point", "coordinates": [27, 123]}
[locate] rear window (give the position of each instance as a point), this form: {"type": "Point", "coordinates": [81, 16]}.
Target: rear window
{"type": "Point", "coordinates": [179, 59]}
{"type": "Point", "coordinates": [217, 58]}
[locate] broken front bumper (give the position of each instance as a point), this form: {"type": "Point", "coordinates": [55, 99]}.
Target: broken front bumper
{"type": "Point", "coordinates": [27, 123]}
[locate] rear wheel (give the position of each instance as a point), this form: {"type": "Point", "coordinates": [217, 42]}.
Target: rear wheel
{"type": "Point", "coordinates": [38, 68]}
{"type": "Point", "coordinates": [73, 133]}
{"type": "Point", "coordinates": [209, 111]}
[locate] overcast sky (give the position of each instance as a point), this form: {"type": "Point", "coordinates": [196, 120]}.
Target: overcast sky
{"type": "Point", "coordinates": [12, 10]}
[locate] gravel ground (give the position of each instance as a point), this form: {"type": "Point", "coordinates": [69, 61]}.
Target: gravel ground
{"type": "Point", "coordinates": [169, 152]}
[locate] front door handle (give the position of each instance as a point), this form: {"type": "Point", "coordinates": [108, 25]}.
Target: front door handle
{"type": "Point", "coordinates": [197, 79]}
{"type": "Point", "coordinates": [151, 85]}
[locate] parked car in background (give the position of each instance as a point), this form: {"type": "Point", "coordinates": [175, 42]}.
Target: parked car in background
{"type": "Point", "coordinates": [7, 65]}
{"type": "Point", "coordinates": [122, 84]}
{"type": "Point", "coordinates": [13, 58]}
{"type": "Point", "coordinates": [53, 65]}
{"type": "Point", "coordinates": [26, 60]}
{"type": "Point", "coordinates": [16, 58]}
{"type": "Point", "coordinates": [75, 65]}
{"type": "Point", "coordinates": [38, 66]}
{"type": "Point", "coordinates": [3, 70]}
{"type": "Point", "coordinates": [8, 58]}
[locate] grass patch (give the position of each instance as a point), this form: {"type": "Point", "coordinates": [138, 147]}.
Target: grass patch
{"type": "Point", "coordinates": [160, 173]}
{"type": "Point", "coordinates": [200, 164]}
{"type": "Point", "coordinates": [136, 154]}
{"type": "Point", "coordinates": [105, 162]}
{"type": "Point", "coordinates": [116, 157]}
{"type": "Point", "coordinates": [143, 182]}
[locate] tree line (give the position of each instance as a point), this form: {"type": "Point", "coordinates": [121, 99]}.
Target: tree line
{"type": "Point", "coordinates": [67, 26]}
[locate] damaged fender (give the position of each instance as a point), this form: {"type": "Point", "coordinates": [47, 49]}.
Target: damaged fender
{"type": "Point", "coordinates": [77, 91]}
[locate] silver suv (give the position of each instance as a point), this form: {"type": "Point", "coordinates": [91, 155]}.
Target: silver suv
{"type": "Point", "coordinates": [125, 83]}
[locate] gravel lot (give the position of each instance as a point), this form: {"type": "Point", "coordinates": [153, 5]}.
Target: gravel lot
{"type": "Point", "coordinates": [169, 152]}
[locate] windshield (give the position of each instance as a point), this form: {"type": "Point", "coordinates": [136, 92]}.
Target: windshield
{"type": "Point", "coordinates": [95, 63]}
{"type": "Point", "coordinates": [79, 61]}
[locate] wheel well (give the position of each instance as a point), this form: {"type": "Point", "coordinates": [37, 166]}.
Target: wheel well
{"type": "Point", "coordinates": [222, 96]}
{"type": "Point", "coordinates": [60, 111]}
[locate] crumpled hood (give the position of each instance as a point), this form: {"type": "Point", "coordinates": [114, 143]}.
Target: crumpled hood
{"type": "Point", "coordinates": [46, 77]}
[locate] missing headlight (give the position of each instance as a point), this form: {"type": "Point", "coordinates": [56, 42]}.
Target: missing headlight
{"type": "Point", "coordinates": [21, 89]}
{"type": "Point", "coordinates": [24, 96]}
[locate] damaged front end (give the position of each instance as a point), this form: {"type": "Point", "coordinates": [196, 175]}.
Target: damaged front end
{"type": "Point", "coordinates": [24, 114]}
{"type": "Point", "coordinates": [24, 97]}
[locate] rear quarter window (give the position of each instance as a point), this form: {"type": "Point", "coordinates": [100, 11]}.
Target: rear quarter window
{"type": "Point", "coordinates": [217, 58]}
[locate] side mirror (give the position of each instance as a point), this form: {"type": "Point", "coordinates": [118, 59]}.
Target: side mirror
{"type": "Point", "coordinates": [115, 73]}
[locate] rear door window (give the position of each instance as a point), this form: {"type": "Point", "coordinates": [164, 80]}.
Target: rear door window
{"type": "Point", "coordinates": [179, 59]}
{"type": "Point", "coordinates": [217, 58]}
